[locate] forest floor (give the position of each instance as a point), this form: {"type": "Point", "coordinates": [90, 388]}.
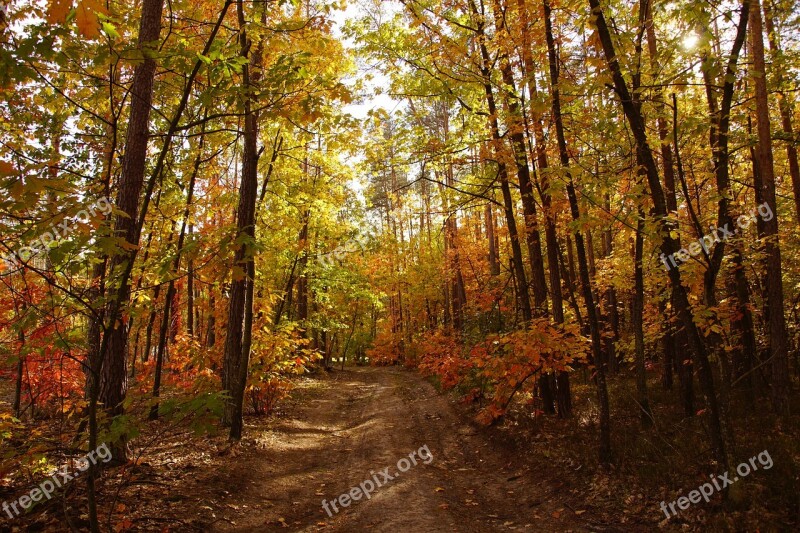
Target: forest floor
{"type": "Point", "coordinates": [340, 429]}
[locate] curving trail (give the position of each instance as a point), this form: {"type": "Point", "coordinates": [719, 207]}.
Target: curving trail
{"type": "Point", "coordinates": [366, 419]}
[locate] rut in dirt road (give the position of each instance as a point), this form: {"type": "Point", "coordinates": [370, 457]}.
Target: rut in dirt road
{"type": "Point", "coordinates": [368, 424]}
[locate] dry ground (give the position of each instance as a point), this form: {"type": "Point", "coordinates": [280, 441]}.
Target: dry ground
{"type": "Point", "coordinates": [529, 474]}
{"type": "Point", "coordinates": [363, 420]}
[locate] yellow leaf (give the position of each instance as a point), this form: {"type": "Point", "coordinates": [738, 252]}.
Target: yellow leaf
{"type": "Point", "coordinates": [57, 10]}
{"type": "Point", "coordinates": [86, 17]}
{"type": "Point", "coordinates": [35, 185]}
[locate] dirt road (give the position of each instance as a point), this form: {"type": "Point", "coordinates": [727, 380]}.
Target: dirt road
{"type": "Point", "coordinates": [352, 426]}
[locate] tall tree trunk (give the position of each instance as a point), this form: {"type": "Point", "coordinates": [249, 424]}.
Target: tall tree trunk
{"type": "Point", "coordinates": [774, 283]}
{"type": "Point", "coordinates": [211, 331]}
{"type": "Point", "coordinates": [583, 265]}
{"type": "Point", "coordinates": [302, 278]}
{"type": "Point", "coordinates": [563, 394]}
{"type": "Point", "coordinates": [111, 367]}
{"type": "Point", "coordinates": [670, 341]}
{"type": "Point", "coordinates": [523, 297]}
{"type": "Point", "coordinates": [494, 261]}
{"type": "Point", "coordinates": [237, 346]}
{"type": "Point", "coordinates": [516, 133]}
{"type": "Point", "coordinates": [190, 295]}
{"type": "Point", "coordinates": [611, 322]}
{"type": "Point", "coordinates": [516, 129]}
{"type": "Point", "coordinates": [176, 264]}
{"type": "Point", "coordinates": [637, 318]}
{"type": "Point", "coordinates": [668, 244]}
{"type": "Point", "coordinates": [784, 104]}
{"type": "Point", "coordinates": [681, 363]}
{"type": "Point", "coordinates": [719, 141]}
{"type": "Point", "coordinates": [20, 368]}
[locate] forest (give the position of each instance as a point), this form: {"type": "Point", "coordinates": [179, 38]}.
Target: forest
{"type": "Point", "coordinates": [540, 257]}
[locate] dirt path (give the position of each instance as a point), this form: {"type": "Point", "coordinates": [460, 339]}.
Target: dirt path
{"type": "Point", "coordinates": [364, 420]}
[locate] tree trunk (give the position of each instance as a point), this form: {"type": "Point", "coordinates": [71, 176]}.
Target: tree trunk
{"type": "Point", "coordinates": [774, 283]}
{"type": "Point", "coordinates": [668, 244]}
{"type": "Point", "coordinates": [494, 261]}
{"type": "Point", "coordinates": [176, 264]}
{"type": "Point", "coordinates": [211, 333]}
{"type": "Point", "coordinates": [637, 318]}
{"type": "Point", "coordinates": [190, 292]}
{"type": "Point", "coordinates": [784, 105]}
{"type": "Point", "coordinates": [20, 369]}
{"type": "Point", "coordinates": [113, 377]}
{"type": "Point", "coordinates": [523, 298]}
{"type": "Point", "coordinates": [237, 345]}
{"type": "Point", "coordinates": [583, 265]}
{"type": "Point", "coordinates": [719, 140]}
{"type": "Point", "coordinates": [681, 363]}
{"type": "Point", "coordinates": [669, 342]}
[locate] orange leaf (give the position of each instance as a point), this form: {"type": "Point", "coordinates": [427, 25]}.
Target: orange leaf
{"type": "Point", "coordinates": [86, 17]}
{"type": "Point", "coordinates": [57, 10]}
{"type": "Point", "coordinates": [6, 169]}
{"type": "Point", "coordinates": [124, 525]}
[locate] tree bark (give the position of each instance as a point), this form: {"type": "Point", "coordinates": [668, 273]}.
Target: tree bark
{"type": "Point", "coordinates": [645, 413]}
{"type": "Point", "coordinates": [237, 345]}
{"type": "Point", "coordinates": [176, 264]}
{"type": "Point", "coordinates": [784, 105]}
{"type": "Point", "coordinates": [774, 283]}
{"type": "Point", "coordinates": [523, 297]}
{"type": "Point", "coordinates": [583, 265]}
{"type": "Point", "coordinates": [668, 244]}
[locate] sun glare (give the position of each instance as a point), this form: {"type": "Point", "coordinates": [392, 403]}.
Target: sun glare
{"type": "Point", "coordinates": [690, 41]}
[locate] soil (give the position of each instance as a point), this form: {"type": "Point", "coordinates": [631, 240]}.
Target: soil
{"type": "Point", "coordinates": [342, 429]}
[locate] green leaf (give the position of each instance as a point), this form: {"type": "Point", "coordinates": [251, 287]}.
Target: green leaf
{"type": "Point", "coordinates": [110, 30]}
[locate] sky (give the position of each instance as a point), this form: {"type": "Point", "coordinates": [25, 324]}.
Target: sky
{"type": "Point", "coordinates": [369, 100]}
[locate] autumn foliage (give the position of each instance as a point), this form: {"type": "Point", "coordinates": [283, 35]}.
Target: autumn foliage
{"type": "Point", "coordinates": [479, 190]}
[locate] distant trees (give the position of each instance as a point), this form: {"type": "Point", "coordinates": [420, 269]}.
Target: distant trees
{"type": "Point", "coordinates": [526, 84]}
